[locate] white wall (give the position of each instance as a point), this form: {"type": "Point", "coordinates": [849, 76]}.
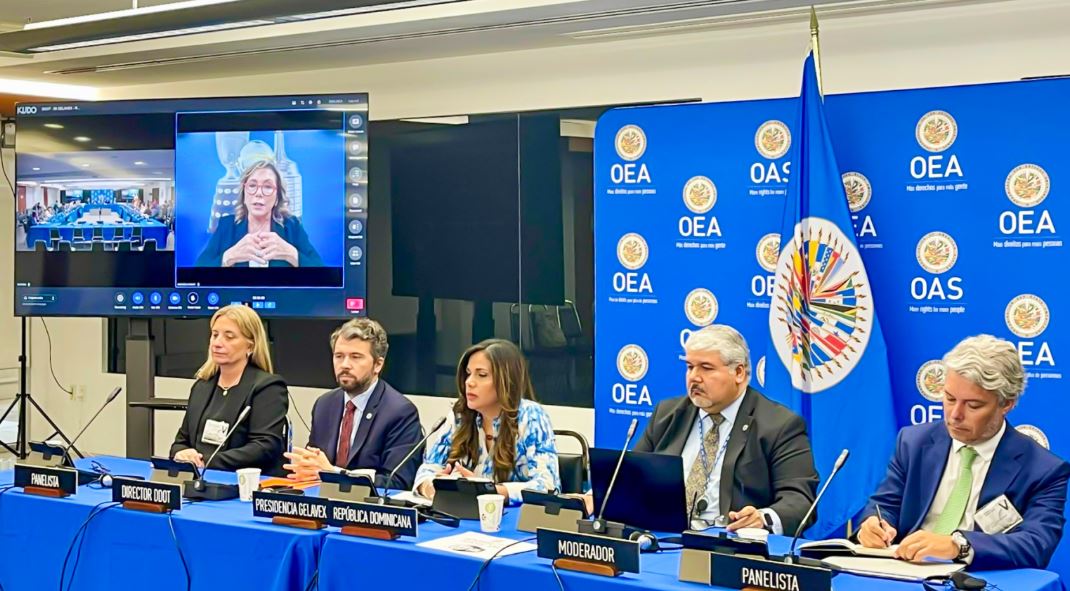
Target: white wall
{"type": "Point", "coordinates": [960, 44]}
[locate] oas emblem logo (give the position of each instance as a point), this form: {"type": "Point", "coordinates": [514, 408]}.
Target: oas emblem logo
{"type": "Point", "coordinates": [768, 252]}
{"type": "Point", "coordinates": [700, 194]}
{"type": "Point", "coordinates": [858, 190]}
{"type": "Point", "coordinates": [936, 131]}
{"type": "Point", "coordinates": [821, 317]}
{"type": "Point", "coordinates": [759, 371]}
{"type": "Point", "coordinates": [773, 139]}
{"type": "Point", "coordinates": [1027, 315]}
{"type": "Point", "coordinates": [1035, 434]}
{"type": "Point", "coordinates": [632, 363]}
{"type": "Point", "coordinates": [1027, 185]}
{"type": "Point", "coordinates": [700, 307]}
{"type": "Point", "coordinates": [937, 252]}
{"type": "Point", "coordinates": [632, 251]}
{"type": "Point", "coordinates": [630, 142]}
{"type": "Point", "coordinates": [930, 380]}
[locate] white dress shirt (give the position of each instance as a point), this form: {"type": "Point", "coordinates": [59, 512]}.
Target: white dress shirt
{"type": "Point", "coordinates": [361, 402]}
{"type": "Point", "coordinates": [985, 451]}
{"type": "Point", "coordinates": [693, 449]}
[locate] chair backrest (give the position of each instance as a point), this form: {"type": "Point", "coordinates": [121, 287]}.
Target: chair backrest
{"type": "Point", "coordinates": [570, 320]}
{"type": "Point", "coordinates": [575, 469]}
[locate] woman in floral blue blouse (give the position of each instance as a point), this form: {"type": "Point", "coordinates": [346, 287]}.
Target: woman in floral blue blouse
{"type": "Point", "coordinates": [499, 432]}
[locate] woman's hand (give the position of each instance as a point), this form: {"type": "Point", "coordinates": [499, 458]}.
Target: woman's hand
{"type": "Point", "coordinates": [274, 248]}
{"type": "Point", "coordinates": [245, 251]}
{"type": "Point", "coordinates": [190, 456]}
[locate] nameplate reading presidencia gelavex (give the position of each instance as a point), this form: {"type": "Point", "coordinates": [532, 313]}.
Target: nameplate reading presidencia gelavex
{"type": "Point", "coordinates": [400, 520]}
{"type": "Point", "coordinates": [64, 479]}
{"type": "Point", "coordinates": [741, 572]}
{"type": "Point", "coordinates": [622, 554]}
{"type": "Point", "coordinates": [146, 491]}
{"type": "Point", "coordinates": [266, 504]}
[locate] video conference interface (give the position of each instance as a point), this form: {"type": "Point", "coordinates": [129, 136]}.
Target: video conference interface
{"type": "Point", "coordinates": [180, 207]}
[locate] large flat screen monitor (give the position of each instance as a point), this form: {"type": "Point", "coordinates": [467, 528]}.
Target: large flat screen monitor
{"type": "Point", "coordinates": [180, 207]}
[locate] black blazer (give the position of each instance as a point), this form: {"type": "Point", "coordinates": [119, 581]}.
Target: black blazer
{"type": "Point", "coordinates": [388, 430]}
{"type": "Point", "coordinates": [261, 438]}
{"type": "Point", "coordinates": [228, 233]}
{"type": "Point", "coordinates": [768, 462]}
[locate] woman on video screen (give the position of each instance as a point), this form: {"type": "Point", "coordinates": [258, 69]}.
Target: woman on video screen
{"type": "Point", "coordinates": [262, 232]}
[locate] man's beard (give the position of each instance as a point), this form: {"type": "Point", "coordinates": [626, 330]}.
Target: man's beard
{"type": "Point", "coordinates": [358, 386]}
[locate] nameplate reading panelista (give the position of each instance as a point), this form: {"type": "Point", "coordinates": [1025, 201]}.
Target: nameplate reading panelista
{"type": "Point", "coordinates": [737, 572]}
{"type": "Point", "coordinates": [65, 479]}
{"type": "Point", "coordinates": [400, 520]}
{"type": "Point", "coordinates": [554, 544]}
{"type": "Point", "coordinates": [270, 505]}
{"type": "Point", "coordinates": [145, 491]}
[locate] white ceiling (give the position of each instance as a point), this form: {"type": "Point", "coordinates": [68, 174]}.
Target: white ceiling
{"type": "Point", "coordinates": [462, 28]}
{"type": "Point", "coordinates": [20, 12]}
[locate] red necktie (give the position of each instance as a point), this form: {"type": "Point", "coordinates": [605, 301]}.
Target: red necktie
{"type": "Point", "coordinates": [345, 435]}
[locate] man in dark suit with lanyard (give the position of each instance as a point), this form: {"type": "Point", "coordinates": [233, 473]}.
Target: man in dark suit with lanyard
{"type": "Point", "coordinates": [365, 422]}
{"type": "Point", "coordinates": [747, 460]}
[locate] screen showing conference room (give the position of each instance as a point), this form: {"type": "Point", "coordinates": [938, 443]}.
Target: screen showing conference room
{"type": "Point", "coordinates": [140, 208]}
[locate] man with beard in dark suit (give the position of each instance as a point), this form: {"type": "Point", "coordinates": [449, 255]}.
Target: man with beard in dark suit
{"type": "Point", "coordinates": [365, 422]}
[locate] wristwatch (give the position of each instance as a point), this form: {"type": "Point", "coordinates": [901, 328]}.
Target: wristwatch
{"type": "Point", "coordinates": [963, 544]}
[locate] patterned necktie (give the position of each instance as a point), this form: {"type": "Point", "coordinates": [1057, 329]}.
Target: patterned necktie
{"type": "Point", "coordinates": [699, 475]}
{"type": "Point", "coordinates": [949, 519]}
{"type": "Point", "coordinates": [345, 435]}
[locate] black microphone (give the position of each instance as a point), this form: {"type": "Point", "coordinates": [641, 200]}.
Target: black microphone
{"type": "Point", "coordinates": [198, 484]}
{"type": "Point", "coordinates": [599, 525]}
{"type": "Point", "coordinates": [67, 451]}
{"type": "Point", "coordinates": [840, 461]}
{"type": "Point", "coordinates": [408, 456]}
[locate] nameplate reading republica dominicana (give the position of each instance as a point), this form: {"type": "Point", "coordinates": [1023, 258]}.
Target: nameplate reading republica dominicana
{"type": "Point", "coordinates": [144, 491]}
{"type": "Point", "coordinates": [622, 554]}
{"type": "Point", "coordinates": [64, 479]}
{"type": "Point", "coordinates": [400, 520]}
{"type": "Point", "coordinates": [739, 572]}
{"type": "Point", "coordinates": [269, 505]}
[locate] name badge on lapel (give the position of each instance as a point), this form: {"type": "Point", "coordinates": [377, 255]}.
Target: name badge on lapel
{"type": "Point", "coordinates": [214, 432]}
{"type": "Point", "coordinates": [998, 517]}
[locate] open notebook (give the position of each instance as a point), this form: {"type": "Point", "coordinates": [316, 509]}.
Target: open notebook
{"type": "Point", "coordinates": [841, 547]}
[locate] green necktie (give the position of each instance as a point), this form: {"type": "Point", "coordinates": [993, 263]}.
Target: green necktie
{"type": "Point", "coordinates": [949, 519]}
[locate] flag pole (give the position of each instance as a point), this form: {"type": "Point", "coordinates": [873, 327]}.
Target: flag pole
{"type": "Point", "coordinates": [815, 45]}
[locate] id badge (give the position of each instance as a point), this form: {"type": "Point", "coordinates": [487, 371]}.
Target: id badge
{"type": "Point", "coordinates": [214, 432]}
{"type": "Point", "coordinates": [998, 517]}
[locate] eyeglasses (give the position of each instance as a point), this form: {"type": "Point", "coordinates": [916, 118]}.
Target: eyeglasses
{"type": "Point", "coordinates": [266, 190]}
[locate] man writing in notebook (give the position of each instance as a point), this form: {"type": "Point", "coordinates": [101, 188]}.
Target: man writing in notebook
{"type": "Point", "coordinates": [972, 488]}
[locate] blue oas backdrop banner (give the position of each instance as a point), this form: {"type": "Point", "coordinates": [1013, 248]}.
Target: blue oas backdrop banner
{"type": "Point", "coordinates": [956, 209]}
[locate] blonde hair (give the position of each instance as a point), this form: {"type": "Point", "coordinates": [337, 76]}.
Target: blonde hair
{"type": "Point", "coordinates": [252, 329]}
{"type": "Point", "coordinates": [279, 211]}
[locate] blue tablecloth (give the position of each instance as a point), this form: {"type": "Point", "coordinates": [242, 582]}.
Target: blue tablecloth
{"type": "Point", "coordinates": [224, 545]}
{"type": "Point", "coordinates": [227, 548]}
{"type": "Point", "coordinates": [404, 565]}
{"type": "Point", "coordinates": [69, 230]}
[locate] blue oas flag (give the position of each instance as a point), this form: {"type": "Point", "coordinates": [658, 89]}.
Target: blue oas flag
{"type": "Point", "coordinates": [827, 360]}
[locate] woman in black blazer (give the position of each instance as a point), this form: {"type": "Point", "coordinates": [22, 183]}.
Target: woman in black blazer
{"type": "Point", "coordinates": [237, 374]}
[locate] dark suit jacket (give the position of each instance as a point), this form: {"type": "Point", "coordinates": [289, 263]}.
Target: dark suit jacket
{"type": "Point", "coordinates": [261, 438]}
{"type": "Point", "coordinates": [228, 233]}
{"type": "Point", "coordinates": [388, 430]}
{"type": "Point", "coordinates": [1033, 479]}
{"type": "Point", "coordinates": [768, 462]}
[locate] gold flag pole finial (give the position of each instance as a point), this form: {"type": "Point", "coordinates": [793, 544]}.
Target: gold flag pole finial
{"type": "Point", "coordinates": [815, 45]}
